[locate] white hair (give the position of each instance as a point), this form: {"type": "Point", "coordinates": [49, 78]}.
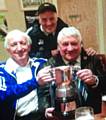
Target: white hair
{"type": "Point", "coordinates": [67, 32]}
{"type": "Point", "coordinates": [15, 33]}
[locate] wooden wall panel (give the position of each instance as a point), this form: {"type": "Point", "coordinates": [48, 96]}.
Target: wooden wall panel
{"type": "Point", "coordinates": [83, 15]}
{"type": "Point", "coordinates": [104, 9]}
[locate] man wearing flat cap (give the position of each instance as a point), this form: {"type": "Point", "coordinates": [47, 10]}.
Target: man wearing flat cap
{"type": "Point", "coordinates": [44, 34]}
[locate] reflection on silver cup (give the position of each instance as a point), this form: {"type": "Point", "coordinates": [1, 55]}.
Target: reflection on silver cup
{"type": "Point", "coordinates": [63, 76]}
{"type": "Point", "coordinates": [66, 96]}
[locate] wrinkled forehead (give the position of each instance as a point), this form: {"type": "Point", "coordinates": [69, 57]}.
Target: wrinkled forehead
{"type": "Point", "coordinates": [69, 39]}
{"type": "Point", "coordinates": [18, 38]}
{"type": "Point", "coordinates": [69, 32]}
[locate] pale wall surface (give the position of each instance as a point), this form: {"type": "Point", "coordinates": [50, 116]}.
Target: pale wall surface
{"type": "Point", "coordinates": [15, 15]}
{"type": "Point", "coordinates": [86, 15]}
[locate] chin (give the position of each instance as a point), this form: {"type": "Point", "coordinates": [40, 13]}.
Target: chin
{"type": "Point", "coordinates": [70, 58]}
{"type": "Point", "coordinates": [50, 31]}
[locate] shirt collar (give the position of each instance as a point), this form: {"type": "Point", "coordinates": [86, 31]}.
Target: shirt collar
{"type": "Point", "coordinates": [11, 66]}
{"type": "Point", "coordinates": [77, 61]}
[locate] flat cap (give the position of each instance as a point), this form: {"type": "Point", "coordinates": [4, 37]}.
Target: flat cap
{"type": "Point", "coordinates": [46, 7]}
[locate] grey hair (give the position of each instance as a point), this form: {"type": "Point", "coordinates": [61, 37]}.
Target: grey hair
{"type": "Point", "coordinates": [67, 32]}
{"type": "Point", "coordinates": [15, 33]}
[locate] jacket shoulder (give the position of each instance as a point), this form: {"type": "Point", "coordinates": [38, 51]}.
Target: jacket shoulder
{"type": "Point", "coordinates": [2, 65]}
{"type": "Point", "coordinates": [51, 62]}
{"type": "Point", "coordinates": [61, 23]}
{"type": "Point", "coordinates": [40, 60]}
{"type": "Point", "coordinates": [33, 30]}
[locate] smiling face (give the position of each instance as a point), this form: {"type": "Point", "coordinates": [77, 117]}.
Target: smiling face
{"type": "Point", "coordinates": [69, 48]}
{"type": "Point", "coordinates": [48, 20]}
{"type": "Point", "coordinates": [19, 48]}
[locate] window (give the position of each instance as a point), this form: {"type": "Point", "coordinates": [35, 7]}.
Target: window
{"type": "Point", "coordinates": [30, 4]}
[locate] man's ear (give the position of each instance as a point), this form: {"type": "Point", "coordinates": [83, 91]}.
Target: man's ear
{"type": "Point", "coordinates": [82, 44]}
{"type": "Point", "coordinates": [58, 48]}
{"type": "Point", "coordinates": [8, 50]}
{"type": "Point", "coordinates": [29, 47]}
{"type": "Point", "coordinates": [39, 19]}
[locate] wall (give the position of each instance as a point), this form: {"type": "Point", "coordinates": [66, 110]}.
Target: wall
{"type": "Point", "coordinates": [104, 19]}
{"type": "Point", "coordinates": [86, 15]}
{"type": "Point", "coordinates": [15, 15]}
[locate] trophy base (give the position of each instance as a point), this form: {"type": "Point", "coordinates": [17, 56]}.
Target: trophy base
{"type": "Point", "coordinates": [65, 115]}
{"type": "Point", "coordinates": [65, 108]}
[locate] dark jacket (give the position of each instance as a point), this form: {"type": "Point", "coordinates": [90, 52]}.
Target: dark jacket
{"type": "Point", "coordinates": [41, 43]}
{"type": "Point", "coordinates": [89, 62]}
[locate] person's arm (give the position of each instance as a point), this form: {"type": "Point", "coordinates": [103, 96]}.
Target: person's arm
{"type": "Point", "coordinates": [44, 75]}
{"type": "Point", "coordinates": [90, 51]}
{"type": "Point", "coordinates": [49, 113]}
{"type": "Point", "coordinates": [87, 76]}
{"type": "Point", "coordinates": [34, 36]}
{"type": "Point", "coordinates": [93, 76]}
{"type": "Point", "coordinates": [15, 91]}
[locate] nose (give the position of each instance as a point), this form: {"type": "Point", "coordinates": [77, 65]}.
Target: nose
{"type": "Point", "coordinates": [69, 47]}
{"type": "Point", "coordinates": [19, 47]}
{"type": "Point", "coordinates": [48, 22]}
